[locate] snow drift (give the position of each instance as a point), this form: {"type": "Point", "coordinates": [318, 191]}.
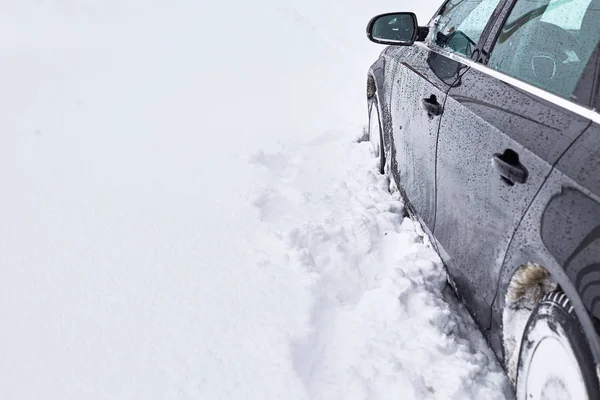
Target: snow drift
{"type": "Point", "coordinates": [185, 214]}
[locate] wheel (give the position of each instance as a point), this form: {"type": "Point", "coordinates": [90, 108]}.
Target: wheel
{"type": "Point", "coordinates": [375, 133]}
{"type": "Point", "coordinates": [555, 361]}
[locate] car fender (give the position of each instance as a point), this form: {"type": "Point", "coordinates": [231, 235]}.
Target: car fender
{"type": "Point", "coordinates": [560, 232]}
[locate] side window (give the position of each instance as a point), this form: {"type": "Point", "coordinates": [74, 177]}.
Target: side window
{"type": "Point", "coordinates": [460, 24]}
{"type": "Point", "coordinates": [548, 43]}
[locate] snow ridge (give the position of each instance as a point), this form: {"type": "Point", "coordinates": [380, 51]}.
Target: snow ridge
{"type": "Point", "coordinates": [383, 323]}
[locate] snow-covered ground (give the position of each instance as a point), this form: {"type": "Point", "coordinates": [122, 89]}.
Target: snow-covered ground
{"type": "Point", "coordinates": [383, 323]}
{"type": "Point", "coordinates": [186, 214]}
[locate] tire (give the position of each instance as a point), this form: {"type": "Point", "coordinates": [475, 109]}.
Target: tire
{"type": "Point", "coordinates": [376, 133]}
{"type": "Point", "coordinates": [555, 360]}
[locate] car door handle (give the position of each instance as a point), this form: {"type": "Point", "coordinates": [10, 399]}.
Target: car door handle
{"type": "Point", "coordinates": [432, 106]}
{"type": "Point", "coordinates": [509, 167]}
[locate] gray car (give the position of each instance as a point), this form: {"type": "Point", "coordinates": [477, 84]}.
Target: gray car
{"type": "Point", "coordinates": [486, 119]}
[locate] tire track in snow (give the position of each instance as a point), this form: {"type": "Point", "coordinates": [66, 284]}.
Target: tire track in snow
{"type": "Point", "coordinates": [384, 323]}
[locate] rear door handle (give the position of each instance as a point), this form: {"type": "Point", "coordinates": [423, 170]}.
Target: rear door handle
{"type": "Point", "coordinates": [432, 106]}
{"type": "Point", "coordinates": [509, 167]}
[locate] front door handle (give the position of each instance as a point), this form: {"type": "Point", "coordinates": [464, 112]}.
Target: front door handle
{"type": "Point", "coordinates": [509, 167]}
{"type": "Point", "coordinates": [432, 106]}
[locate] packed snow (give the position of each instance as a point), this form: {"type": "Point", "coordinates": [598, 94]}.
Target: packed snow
{"type": "Point", "coordinates": [539, 379]}
{"type": "Point", "coordinates": [187, 213]}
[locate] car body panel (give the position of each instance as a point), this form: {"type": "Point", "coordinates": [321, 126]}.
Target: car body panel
{"type": "Point", "coordinates": [483, 229]}
{"type": "Point", "coordinates": [382, 73]}
{"type": "Point", "coordinates": [561, 231]}
{"type": "Point", "coordinates": [485, 116]}
{"type": "Point", "coordinates": [414, 131]}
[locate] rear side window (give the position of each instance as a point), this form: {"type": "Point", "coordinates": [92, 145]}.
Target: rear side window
{"type": "Point", "coordinates": [548, 43]}
{"type": "Point", "coordinates": [460, 24]}
{"type": "Point", "coordinates": [566, 14]}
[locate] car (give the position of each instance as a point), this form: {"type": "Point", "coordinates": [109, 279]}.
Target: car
{"type": "Point", "coordinates": [486, 121]}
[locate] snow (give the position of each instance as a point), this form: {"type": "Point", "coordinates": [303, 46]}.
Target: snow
{"type": "Point", "coordinates": [549, 347]}
{"type": "Point", "coordinates": [383, 322]}
{"type": "Point", "coordinates": [185, 212]}
{"type": "Point", "coordinates": [514, 321]}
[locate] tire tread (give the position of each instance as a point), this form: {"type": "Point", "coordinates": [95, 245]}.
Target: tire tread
{"type": "Point", "coordinates": [560, 298]}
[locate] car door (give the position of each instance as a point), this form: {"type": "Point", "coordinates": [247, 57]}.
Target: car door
{"type": "Point", "coordinates": [561, 230]}
{"type": "Point", "coordinates": [421, 79]}
{"type": "Point", "coordinates": [498, 149]}
{"type": "Point", "coordinates": [414, 131]}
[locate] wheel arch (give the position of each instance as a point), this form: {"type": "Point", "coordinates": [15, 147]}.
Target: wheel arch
{"type": "Point", "coordinates": [376, 86]}
{"type": "Point", "coordinates": [561, 232]}
{"type": "Point", "coordinates": [556, 278]}
{"type": "Point", "coordinates": [375, 76]}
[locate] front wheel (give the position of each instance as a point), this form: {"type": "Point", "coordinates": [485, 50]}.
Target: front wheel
{"type": "Point", "coordinates": [555, 361]}
{"type": "Point", "coordinates": [375, 133]}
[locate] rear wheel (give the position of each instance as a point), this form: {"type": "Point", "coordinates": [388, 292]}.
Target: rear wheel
{"type": "Point", "coordinates": [376, 134]}
{"type": "Point", "coordinates": [555, 361]}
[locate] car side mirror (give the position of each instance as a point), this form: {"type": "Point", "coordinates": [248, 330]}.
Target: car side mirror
{"type": "Point", "coordinates": [400, 29]}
